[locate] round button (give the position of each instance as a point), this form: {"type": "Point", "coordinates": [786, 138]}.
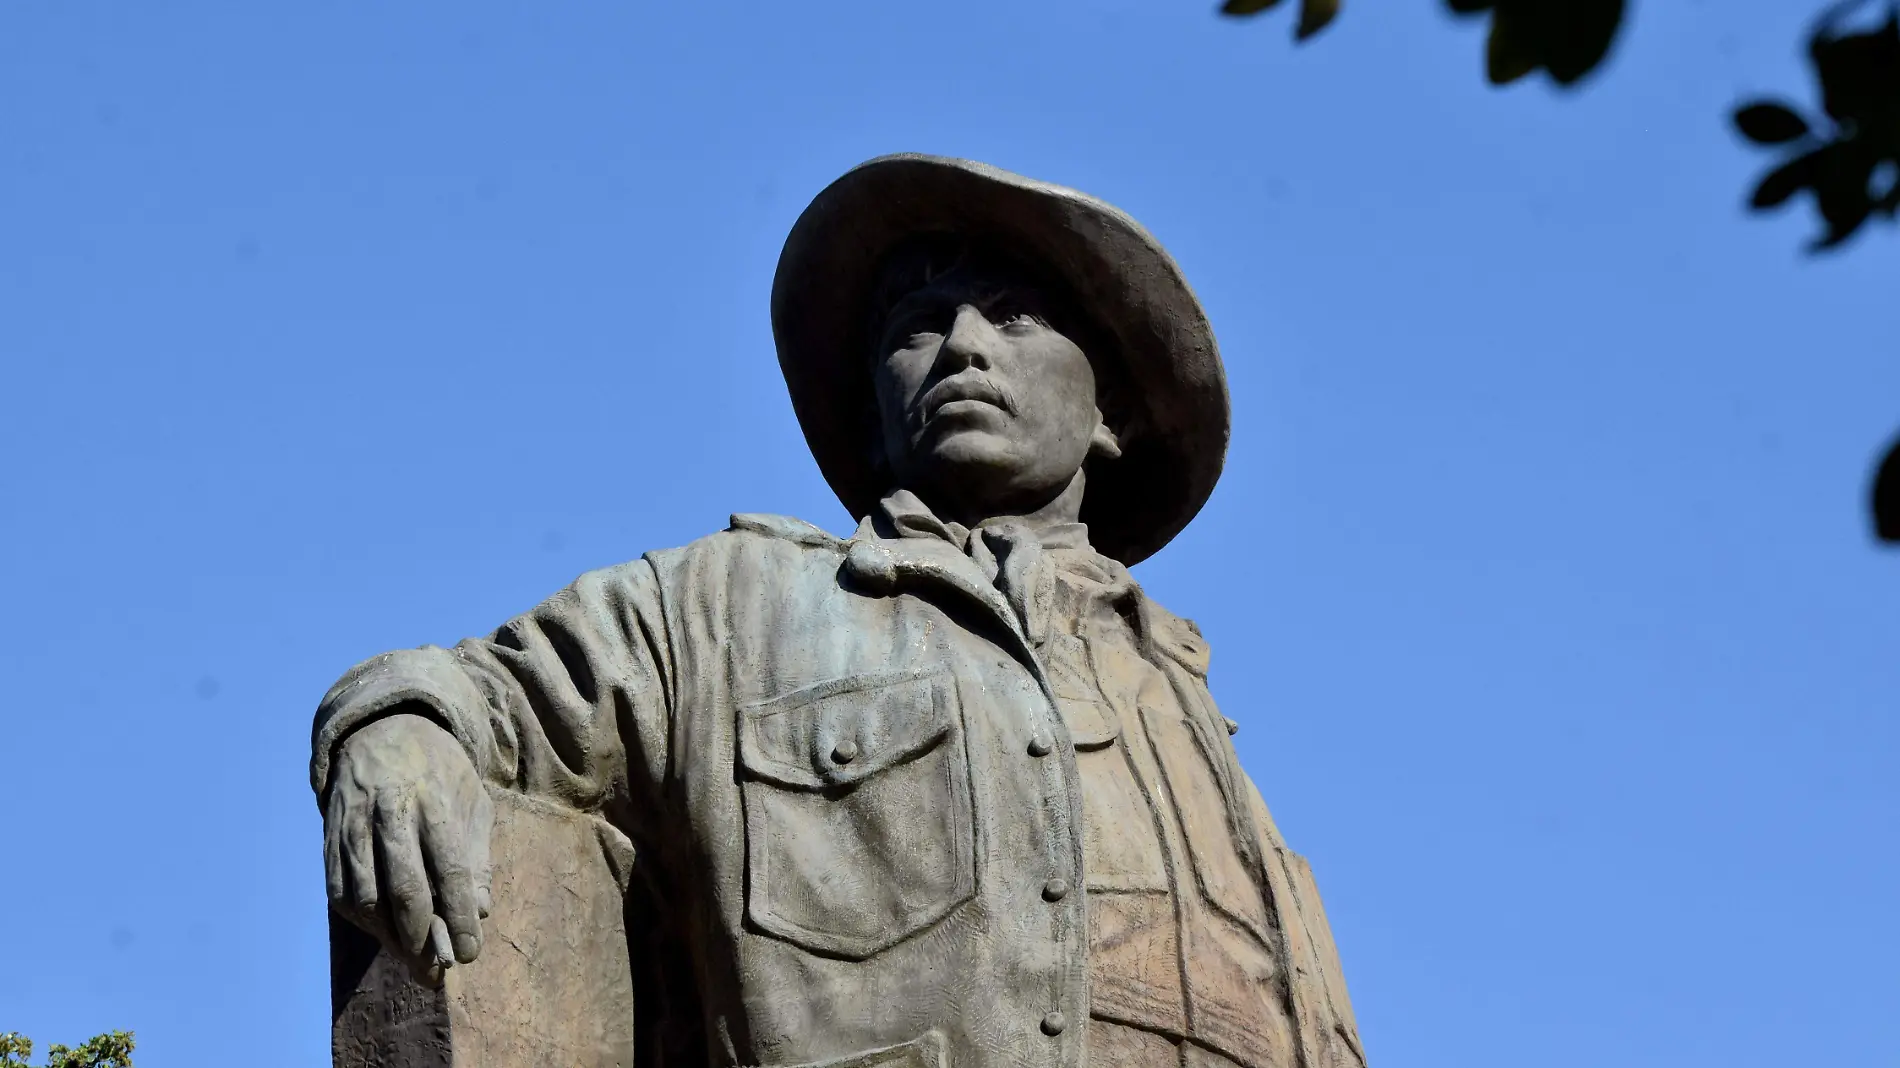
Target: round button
{"type": "Point", "coordinates": [1055, 889]}
{"type": "Point", "coordinates": [1054, 1024]}
{"type": "Point", "coordinates": [1039, 746]}
{"type": "Point", "coordinates": [845, 752]}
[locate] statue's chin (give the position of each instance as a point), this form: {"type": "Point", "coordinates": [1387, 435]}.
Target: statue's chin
{"type": "Point", "coordinates": [986, 474]}
{"type": "Point", "coordinates": [963, 455]}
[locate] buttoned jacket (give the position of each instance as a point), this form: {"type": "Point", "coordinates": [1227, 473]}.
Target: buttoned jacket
{"type": "Point", "coordinates": [847, 784]}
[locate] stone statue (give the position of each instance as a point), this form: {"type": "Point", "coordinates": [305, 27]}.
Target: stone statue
{"type": "Point", "coordinates": [948, 792]}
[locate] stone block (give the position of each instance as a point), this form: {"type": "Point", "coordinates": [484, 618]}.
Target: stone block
{"type": "Point", "coordinates": [553, 985]}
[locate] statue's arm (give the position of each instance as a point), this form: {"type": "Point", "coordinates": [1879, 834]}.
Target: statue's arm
{"type": "Point", "coordinates": [539, 704]}
{"type": "Point", "coordinates": [554, 704]}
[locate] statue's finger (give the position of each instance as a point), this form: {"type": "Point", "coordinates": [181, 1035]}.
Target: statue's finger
{"type": "Point", "coordinates": [441, 953]}
{"type": "Point", "coordinates": [480, 862]}
{"type": "Point", "coordinates": [405, 878]}
{"type": "Point", "coordinates": [445, 842]}
{"type": "Point", "coordinates": [333, 860]}
{"type": "Point", "coordinates": [356, 848]}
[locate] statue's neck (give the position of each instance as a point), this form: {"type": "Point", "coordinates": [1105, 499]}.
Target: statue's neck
{"type": "Point", "coordinates": [1063, 508]}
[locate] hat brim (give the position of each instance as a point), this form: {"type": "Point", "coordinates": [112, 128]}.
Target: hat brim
{"type": "Point", "coordinates": [1120, 276]}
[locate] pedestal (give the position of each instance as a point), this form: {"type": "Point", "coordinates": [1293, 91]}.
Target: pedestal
{"type": "Point", "coordinates": [553, 985]}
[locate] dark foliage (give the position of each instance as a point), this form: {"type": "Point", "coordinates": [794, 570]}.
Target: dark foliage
{"type": "Point", "coordinates": [1314, 14]}
{"type": "Point", "coordinates": [1849, 156]}
{"type": "Point", "coordinates": [1886, 496]}
{"type": "Point", "coordinates": [1567, 38]}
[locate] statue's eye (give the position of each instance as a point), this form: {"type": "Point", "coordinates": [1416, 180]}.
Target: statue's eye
{"type": "Point", "coordinates": [913, 330]}
{"type": "Point", "coordinates": [1016, 321]}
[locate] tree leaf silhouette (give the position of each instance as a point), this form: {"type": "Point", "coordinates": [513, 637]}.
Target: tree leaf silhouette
{"type": "Point", "coordinates": [1840, 191]}
{"type": "Point", "coordinates": [1242, 8]}
{"type": "Point", "coordinates": [1767, 122]}
{"type": "Point", "coordinates": [1508, 56]}
{"type": "Point", "coordinates": [1859, 77]}
{"type": "Point", "coordinates": [1578, 35]}
{"type": "Point", "coordinates": [1886, 496]}
{"type": "Point", "coordinates": [1785, 181]}
{"type": "Point", "coordinates": [1315, 15]}
{"type": "Point", "coordinates": [1856, 70]}
{"type": "Point", "coordinates": [1567, 38]}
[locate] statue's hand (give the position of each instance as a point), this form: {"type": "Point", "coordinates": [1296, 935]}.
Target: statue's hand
{"type": "Point", "coordinates": [405, 841]}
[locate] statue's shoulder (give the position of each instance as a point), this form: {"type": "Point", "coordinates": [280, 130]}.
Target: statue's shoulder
{"type": "Point", "coordinates": [747, 534]}
{"type": "Point", "coordinates": [1178, 636]}
{"type": "Point", "coordinates": [753, 547]}
{"type": "Point", "coordinates": [785, 528]}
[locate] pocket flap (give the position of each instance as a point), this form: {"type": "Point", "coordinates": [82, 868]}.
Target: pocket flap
{"type": "Point", "coordinates": [1092, 724]}
{"type": "Point", "coordinates": [924, 1052]}
{"type": "Point", "coordinates": [838, 732]}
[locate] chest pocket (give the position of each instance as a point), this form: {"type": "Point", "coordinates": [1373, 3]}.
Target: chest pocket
{"type": "Point", "coordinates": [857, 803]}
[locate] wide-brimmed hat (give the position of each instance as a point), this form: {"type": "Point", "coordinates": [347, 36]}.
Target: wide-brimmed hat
{"type": "Point", "coordinates": [1118, 275]}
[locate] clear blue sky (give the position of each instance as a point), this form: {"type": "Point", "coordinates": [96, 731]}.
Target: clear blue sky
{"type": "Point", "coordinates": [1539, 578]}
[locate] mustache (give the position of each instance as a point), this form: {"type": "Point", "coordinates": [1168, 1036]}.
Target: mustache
{"type": "Point", "coordinates": [964, 386]}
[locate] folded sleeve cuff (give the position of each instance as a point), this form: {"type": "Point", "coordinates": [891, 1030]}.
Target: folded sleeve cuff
{"type": "Point", "coordinates": [432, 679]}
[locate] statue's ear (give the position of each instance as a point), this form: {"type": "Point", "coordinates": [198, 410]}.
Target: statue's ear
{"type": "Point", "coordinates": [1102, 440]}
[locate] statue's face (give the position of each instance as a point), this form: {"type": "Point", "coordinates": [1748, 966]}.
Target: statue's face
{"type": "Point", "coordinates": [985, 406]}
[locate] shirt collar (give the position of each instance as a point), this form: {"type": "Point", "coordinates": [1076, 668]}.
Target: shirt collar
{"type": "Point", "coordinates": [903, 514]}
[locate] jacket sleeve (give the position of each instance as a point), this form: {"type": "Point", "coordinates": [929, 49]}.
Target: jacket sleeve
{"type": "Point", "coordinates": [568, 703]}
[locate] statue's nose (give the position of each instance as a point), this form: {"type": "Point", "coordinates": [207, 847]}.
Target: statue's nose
{"type": "Point", "coordinates": [970, 341]}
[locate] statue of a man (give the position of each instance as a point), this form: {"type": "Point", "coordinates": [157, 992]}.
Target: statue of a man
{"type": "Point", "coordinates": [949, 792]}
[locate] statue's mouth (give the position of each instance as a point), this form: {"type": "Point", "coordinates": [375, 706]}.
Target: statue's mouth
{"type": "Point", "coordinates": [963, 393]}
